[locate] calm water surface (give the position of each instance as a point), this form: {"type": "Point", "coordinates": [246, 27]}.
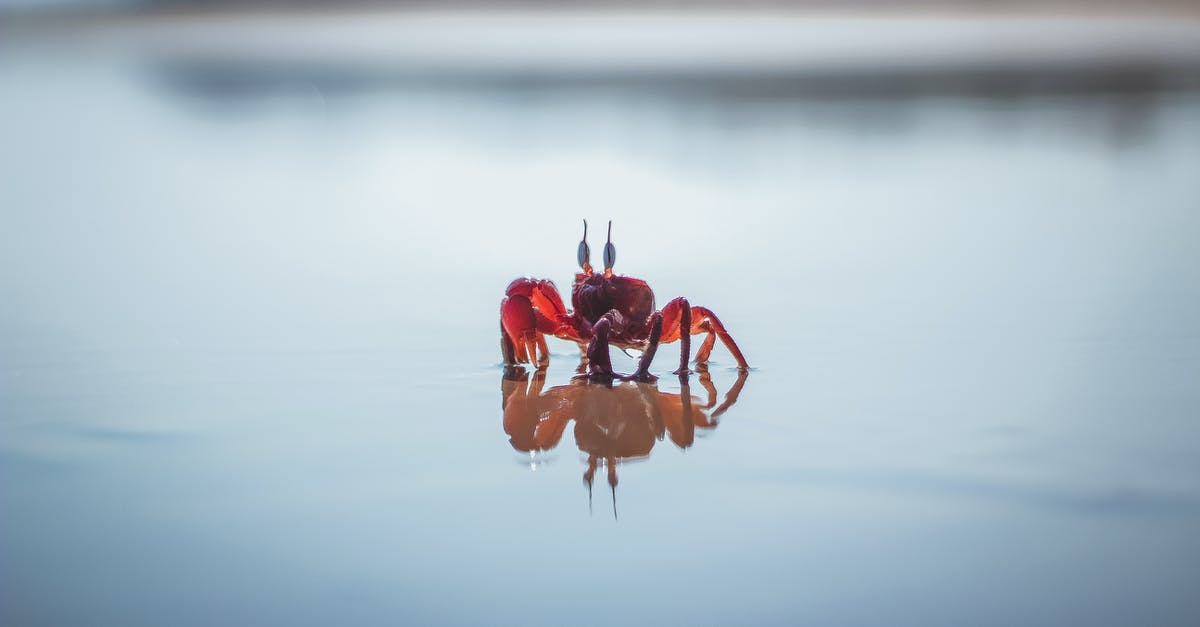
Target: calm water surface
{"type": "Point", "coordinates": [249, 356]}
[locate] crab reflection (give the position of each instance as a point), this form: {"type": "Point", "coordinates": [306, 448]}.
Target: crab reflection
{"type": "Point", "coordinates": [614, 421]}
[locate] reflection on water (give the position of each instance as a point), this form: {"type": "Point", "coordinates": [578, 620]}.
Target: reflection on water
{"type": "Point", "coordinates": [614, 422]}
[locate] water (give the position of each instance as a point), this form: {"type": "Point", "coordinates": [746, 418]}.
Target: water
{"type": "Point", "coordinates": [249, 353]}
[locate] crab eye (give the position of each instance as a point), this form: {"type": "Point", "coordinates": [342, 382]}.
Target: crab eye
{"type": "Point", "coordinates": [585, 253]}
{"type": "Point", "coordinates": [610, 251]}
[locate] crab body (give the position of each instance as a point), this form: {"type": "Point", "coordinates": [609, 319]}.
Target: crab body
{"type": "Point", "coordinates": [608, 310]}
{"type": "Point", "coordinates": [632, 299]}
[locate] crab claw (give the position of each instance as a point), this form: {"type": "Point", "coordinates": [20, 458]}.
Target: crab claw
{"type": "Point", "coordinates": [530, 309]}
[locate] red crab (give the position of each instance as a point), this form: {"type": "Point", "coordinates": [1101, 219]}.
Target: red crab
{"type": "Point", "coordinates": [609, 310]}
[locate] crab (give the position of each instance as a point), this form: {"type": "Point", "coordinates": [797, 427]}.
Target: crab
{"type": "Point", "coordinates": [609, 310]}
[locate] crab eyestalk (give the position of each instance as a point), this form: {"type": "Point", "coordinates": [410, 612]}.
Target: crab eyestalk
{"type": "Point", "coordinates": [610, 253]}
{"type": "Point", "coordinates": [585, 253]}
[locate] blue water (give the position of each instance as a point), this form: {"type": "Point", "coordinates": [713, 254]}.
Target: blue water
{"type": "Point", "coordinates": [250, 366]}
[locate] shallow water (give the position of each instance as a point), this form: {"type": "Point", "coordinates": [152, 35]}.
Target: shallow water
{"type": "Point", "coordinates": [249, 354]}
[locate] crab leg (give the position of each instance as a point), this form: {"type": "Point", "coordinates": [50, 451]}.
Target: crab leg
{"type": "Point", "coordinates": [643, 371]}
{"type": "Point", "coordinates": [709, 322]}
{"type": "Point", "coordinates": [707, 345]}
{"type": "Point", "coordinates": [599, 363]}
{"type": "Point", "coordinates": [678, 315]}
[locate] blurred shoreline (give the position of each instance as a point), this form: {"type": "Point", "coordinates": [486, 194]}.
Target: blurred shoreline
{"type": "Point", "coordinates": [751, 54]}
{"type": "Point", "coordinates": [119, 8]}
